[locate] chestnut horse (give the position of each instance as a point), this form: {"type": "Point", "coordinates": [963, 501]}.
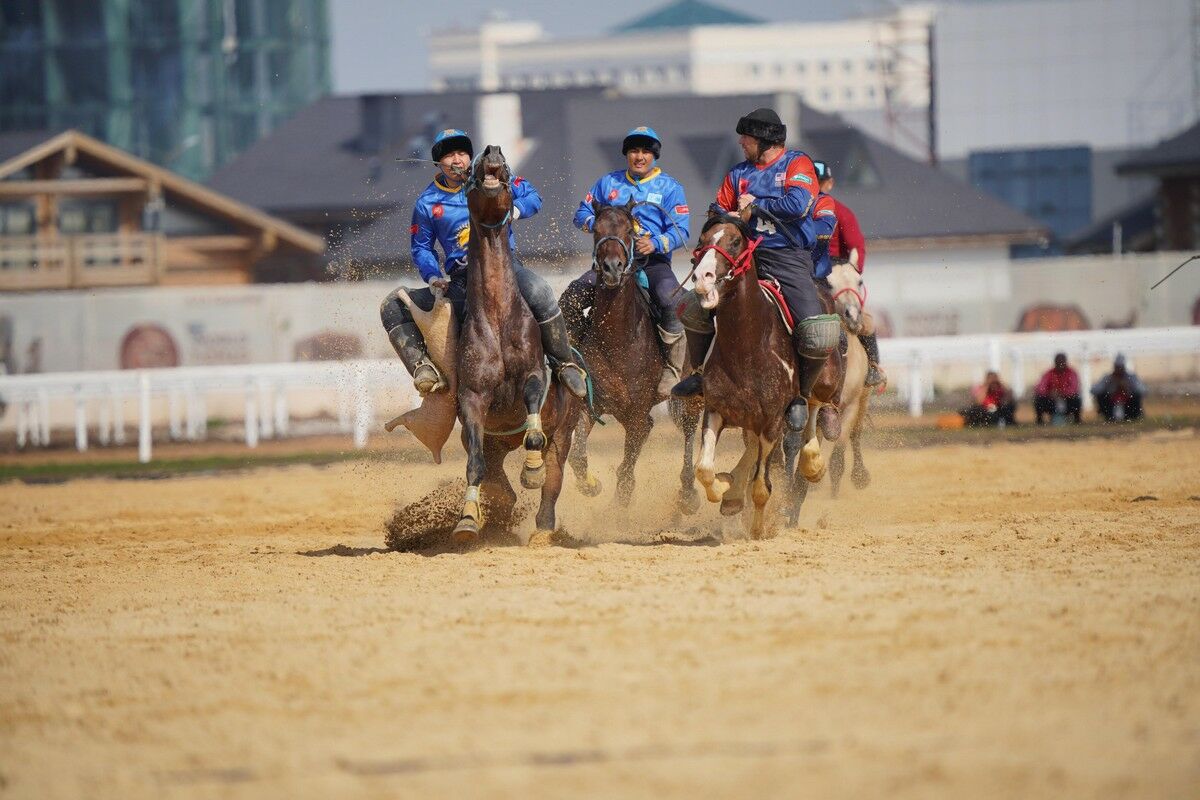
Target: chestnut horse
{"type": "Point", "coordinates": [750, 375]}
{"type": "Point", "coordinates": [505, 396]}
{"type": "Point", "coordinates": [620, 346]}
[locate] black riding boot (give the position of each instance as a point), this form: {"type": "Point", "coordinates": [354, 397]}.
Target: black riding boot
{"type": "Point", "coordinates": [814, 339]}
{"type": "Point", "coordinates": [698, 345]}
{"type": "Point", "coordinates": [406, 338]}
{"type": "Point", "coordinates": [874, 373]}
{"type": "Point", "coordinates": [558, 347]}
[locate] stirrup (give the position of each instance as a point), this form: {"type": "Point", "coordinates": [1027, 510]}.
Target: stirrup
{"type": "Point", "coordinates": [875, 376]}
{"type": "Point", "coordinates": [423, 385]}
{"type": "Point", "coordinates": [575, 381]}
{"type": "Point", "coordinates": [796, 416]}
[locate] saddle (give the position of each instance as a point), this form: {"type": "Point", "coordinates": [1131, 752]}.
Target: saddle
{"type": "Point", "coordinates": [773, 293]}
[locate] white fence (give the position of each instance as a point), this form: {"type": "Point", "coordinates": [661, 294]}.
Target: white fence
{"type": "Point", "coordinates": [266, 387]}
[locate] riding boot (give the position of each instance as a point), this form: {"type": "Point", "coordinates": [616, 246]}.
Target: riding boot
{"type": "Point", "coordinates": [558, 347]}
{"type": "Point", "coordinates": [814, 339]}
{"type": "Point", "coordinates": [875, 375]}
{"type": "Point", "coordinates": [406, 338]}
{"type": "Point", "coordinates": [698, 344]}
{"type": "Point", "coordinates": [674, 350]}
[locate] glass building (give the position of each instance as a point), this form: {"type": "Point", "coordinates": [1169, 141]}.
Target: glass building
{"type": "Point", "coordinates": [186, 84]}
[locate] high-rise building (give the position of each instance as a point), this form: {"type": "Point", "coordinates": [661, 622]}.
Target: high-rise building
{"type": "Point", "coordinates": [186, 84]}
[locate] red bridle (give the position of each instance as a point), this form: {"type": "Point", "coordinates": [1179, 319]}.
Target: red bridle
{"type": "Point", "coordinates": [739, 265]}
{"type": "Point", "coordinates": [862, 298]}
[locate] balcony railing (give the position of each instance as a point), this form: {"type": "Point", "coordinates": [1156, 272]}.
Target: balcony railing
{"type": "Point", "coordinates": [79, 261]}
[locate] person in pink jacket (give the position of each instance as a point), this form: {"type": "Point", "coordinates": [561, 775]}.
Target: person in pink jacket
{"type": "Point", "coordinates": [1058, 392]}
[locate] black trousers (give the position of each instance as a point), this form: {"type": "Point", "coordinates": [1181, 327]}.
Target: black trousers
{"type": "Point", "coordinates": [978, 416]}
{"type": "Point", "coordinates": [792, 269]}
{"type": "Point", "coordinates": [1107, 406]}
{"type": "Point", "coordinates": [1043, 405]}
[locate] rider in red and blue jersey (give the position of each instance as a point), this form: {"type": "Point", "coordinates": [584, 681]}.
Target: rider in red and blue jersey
{"type": "Point", "coordinates": [777, 187]}
{"type": "Point", "coordinates": [661, 219]}
{"type": "Point", "coordinates": [440, 216]}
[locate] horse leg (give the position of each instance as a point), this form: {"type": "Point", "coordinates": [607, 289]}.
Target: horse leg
{"type": "Point", "coordinates": [791, 449]}
{"type": "Point", "coordinates": [858, 474]}
{"type": "Point", "coordinates": [560, 449]}
{"type": "Point", "coordinates": [499, 498]}
{"type": "Point", "coordinates": [812, 465]}
{"type": "Point", "coordinates": [472, 407]}
{"type": "Point", "coordinates": [837, 466]}
{"type": "Point", "coordinates": [799, 493]}
{"type": "Point", "coordinates": [587, 483]}
{"type": "Point", "coordinates": [533, 475]}
{"type": "Point", "coordinates": [734, 498]}
{"type": "Point", "coordinates": [688, 421]}
{"type": "Point", "coordinates": [705, 470]}
{"type": "Point", "coordinates": [636, 431]}
{"type": "Point", "coordinates": [761, 490]}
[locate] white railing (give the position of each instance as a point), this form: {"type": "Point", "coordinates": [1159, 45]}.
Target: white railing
{"type": "Point", "coordinates": [266, 386]}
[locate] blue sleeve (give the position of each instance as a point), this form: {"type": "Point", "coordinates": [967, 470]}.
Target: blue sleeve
{"type": "Point", "coordinates": [799, 186]}
{"type": "Point", "coordinates": [422, 244]}
{"type": "Point", "coordinates": [675, 209]}
{"type": "Point", "coordinates": [585, 215]}
{"type": "Point", "coordinates": [526, 198]}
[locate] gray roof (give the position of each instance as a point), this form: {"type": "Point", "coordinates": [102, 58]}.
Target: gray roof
{"type": "Point", "coordinates": [1179, 154]}
{"type": "Point", "coordinates": [320, 161]}
{"type": "Point", "coordinates": [687, 14]}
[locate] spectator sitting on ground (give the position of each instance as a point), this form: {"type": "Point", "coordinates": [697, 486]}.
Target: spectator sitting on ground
{"type": "Point", "coordinates": [1119, 394]}
{"type": "Point", "coordinates": [1057, 392]}
{"type": "Point", "coordinates": [994, 404]}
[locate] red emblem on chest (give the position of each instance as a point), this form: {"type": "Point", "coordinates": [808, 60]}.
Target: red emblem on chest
{"type": "Point", "coordinates": [612, 194]}
{"type": "Point", "coordinates": [437, 211]}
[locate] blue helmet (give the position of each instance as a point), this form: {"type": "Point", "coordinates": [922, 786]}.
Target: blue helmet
{"type": "Point", "coordinates": [450, 140]}
{"type": "Point", "coordinates": [643, 137]}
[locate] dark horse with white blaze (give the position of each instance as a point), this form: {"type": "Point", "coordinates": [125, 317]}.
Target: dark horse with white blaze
{"type": "Point", "coordinates": [505, 396]}
{"type": "Point", "coordinates": [750, 376]}
{"type": "Point", "coordinates": [620, 347]}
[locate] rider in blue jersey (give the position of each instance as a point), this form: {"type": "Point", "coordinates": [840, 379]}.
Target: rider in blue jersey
{"type": "Point", "coordinates": [660, 227]}
{"type": "Point", "coordinates": [440, 216]}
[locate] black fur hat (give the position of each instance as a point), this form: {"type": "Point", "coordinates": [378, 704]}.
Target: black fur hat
{"type": "Point", "coordinates": [763, 123]}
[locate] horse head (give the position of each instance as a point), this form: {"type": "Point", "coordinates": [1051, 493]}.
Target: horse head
{"type": "Point", "coordinates": [612, 242]}
{"type": "Point", "coordinates": [849, 294]}
{"type": "Point", "coordinates": [724, 253]}
{"type": "Point", "coordinates": [489, 189]}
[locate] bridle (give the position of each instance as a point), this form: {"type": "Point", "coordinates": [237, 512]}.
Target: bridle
{"type": "Point", "coordinates": [862, 298]}
{"type": "Point", "coordinates": [626, 248]}
{"type": "Point", "coordinates": [473, 182]}
{"type": "Point", "coordinates": [738, 266]}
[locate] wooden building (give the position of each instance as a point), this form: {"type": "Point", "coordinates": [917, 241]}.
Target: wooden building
{"type": "Point", "coordinates": [78, 213]}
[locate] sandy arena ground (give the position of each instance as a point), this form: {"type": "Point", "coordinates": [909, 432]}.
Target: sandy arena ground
{"type": "Point", "coordinates": [992, 622]}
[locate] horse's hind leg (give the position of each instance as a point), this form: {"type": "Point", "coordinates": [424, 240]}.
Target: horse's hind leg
{"type": "Point", "coordinates": [471, 411]}
{"type": "Point", "coordinates": [533, 474]}
{"type": "Point", "coordinates": [636, 431]}
{"type": "Point", "coordinates": [586, 482]}
{"type": "Point", "coordinates": [837, 466]}
{"type": "Point", "coordinates": [798, 494]}
{"type": "Point", "coordinates": [858, 474]}
{"type": "Point", "coordinates": [812, 464]}
{"type": "Point", "coordinates": [687, 418]}
{"type": "Point", "coordinates": [559, 452]}
{"type": "Point", "coordinates": [760, 492]}
{"type": "Point", "coordinates": [499, 498]}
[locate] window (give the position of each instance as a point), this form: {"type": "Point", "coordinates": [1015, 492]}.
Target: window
{"type": "Point", "coordinates": [823, 67]}
{"type": "Point", "coordinates": [87, 216]}
{"type": "Point", "coordinates": [847, 66]}
{"type": "Point", "coordinates": [848, 95]}
{"type": "Point", "coordinates": [16, 219]}
{"type": "Point", "coordinates": [798, 67]}
{"type": "Point", "coordinates": [825, 96]}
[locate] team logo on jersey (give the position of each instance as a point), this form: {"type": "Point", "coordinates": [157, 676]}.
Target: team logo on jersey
{"type": "Point", "coordinates": [654, 197]}
{"type": "Point", "coordinates": [800, 178]}
{"type": "Point", "coordinates": [464, 235]}
{"type": "Point", "coordinates": [826, 212]}
{"type": "Point", "coordinates": [413, 230]}
{"type": "Point", "coordinates": [437, 211]}
{"type": "Point", "coordinates": [682, 210]}
{"type": "Point", "coordinates": [612, 194]}
{"type": "Point", "coordinates": [779, 176]}
{"type": "Point", "coordinates": [588, 198]}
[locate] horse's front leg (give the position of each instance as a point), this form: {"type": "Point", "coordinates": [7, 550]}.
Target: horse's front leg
{"type": "Point", "coordinates": [533, 474]}
{"type": "Point", "coordinates": [472, 407]}
{"type": "Point", "coordinates": [812, 463]}
{"type": "Point", "coordinates": [761, 491]}
{"type": "Point", "coordinates": [688, 420]}
{"type": "Point", "coordinates": [706, 471]}
{"type": "Point", "coordinates": [733, 495]}
{"type": "Point", "coordinates": [556, 464]}
{"type": "Point", "coordinates": [636, 431]}
{"type": "Point", "coordinates": [586, 482]}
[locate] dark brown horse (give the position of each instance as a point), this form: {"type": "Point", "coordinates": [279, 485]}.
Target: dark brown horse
{"type": "Point", "coordinates": [505, 397]}
{"type": "Point", "coordinates": [750, 376]}
{"type": "Point", "coordinates": [620, 346]}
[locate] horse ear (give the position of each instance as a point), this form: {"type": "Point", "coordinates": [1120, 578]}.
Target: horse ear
{"type": "Point", "coordinates": [629, 205]}
{"type": "Point", "coordinates": [595, 208]}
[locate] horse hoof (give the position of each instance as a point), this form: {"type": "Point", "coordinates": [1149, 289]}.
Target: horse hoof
{"type": "Point", "coordinates": [533, 478]}
{"type": "Point", "coordinates": [466, 532]}
{"type": "Point", "coordinates": [689, 504]}
{"type": "Point", "coordinates": [732, 506]}
{"type": "Point", "coordinates": [590, 486]}
{"type": "Point", "coordinates": [540, 538]}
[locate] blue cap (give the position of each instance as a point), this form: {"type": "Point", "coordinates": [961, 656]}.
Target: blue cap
{"type": "Point", "coordinates": [642, 136]}
{"type": "Point", "coordinates": [449, 140]}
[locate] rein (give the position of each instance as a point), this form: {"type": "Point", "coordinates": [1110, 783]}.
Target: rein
{"type": "Point", "coordinates": [862, 298]}
{"type": "Point", "coordinates": [626, 247]}
{"type": "Point", "coordinates": [740, 265]}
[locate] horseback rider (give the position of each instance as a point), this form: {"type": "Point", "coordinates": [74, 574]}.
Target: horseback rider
{"type": "Point", "coordinates": [848, 245]}
{"type": "Point", "coordinates": [777, 188]}
{"type": "Point", "coordinates": [661, 227]}
{"type": "Point", "coordinates": [440, 215]}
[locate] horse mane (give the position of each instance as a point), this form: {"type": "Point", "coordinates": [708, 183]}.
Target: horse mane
{"type": "Point", "coordinates": [622, 210]}
{"type": "Point", "coordinates": [728, 219]}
